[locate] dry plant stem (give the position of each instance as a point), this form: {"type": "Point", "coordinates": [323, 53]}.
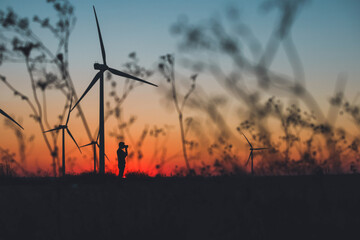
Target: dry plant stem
{"type": "Point", "coordinates": [35, 113]}
{"type": "Point", "coordinates": [22, 96]}
{"type": "Point", "coordinates": [212, 111]}
{"type": "Point", "coordinates": [39, 115]}
{"type": "Point", "coordinates": [63, 69]}
{"type": "Point", "coordinates": [239, 93]}
{"type": "Point", "coordinates": [126, 91]}
{"type": "Point", "coordinates": [20, 139]}
{"type": "Point", "coordinates": [71, 85]}
{"type": "Point", "coordinates": [155, 153]}
{"type": "Point", "coordinates": [46, 121]}
{"type": "Point", "coordinates": [279, 84]}
{"type": "Point", "coordinates": [81, 113]}
{"type": "Point", "coordinates": [68, 78]}
{"type": "Point", "coordinates": [134, 145]}
{"type": "Point", "coordinates": [180, 115]}
{"type": "Point", "coordinates": [286, 131]}
{"type": "Point", "coordinates": [127, 88]}
{"type": "Point", "coordinates": [60, 63]}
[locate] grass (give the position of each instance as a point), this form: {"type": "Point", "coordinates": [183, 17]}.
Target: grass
{"type": "Point", "coordinates": [80, 207]}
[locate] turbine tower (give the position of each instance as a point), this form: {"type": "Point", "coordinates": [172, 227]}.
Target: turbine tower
{"type": "Point", "coordinates": [63, 128]}
{"type": "Point", "coordinates": [6, 115]}
{"type": "Point", "coordinates": [100, 75]}
{"type": "Point", "coordinates": [251, 155]}
{"type": "Point", "coordinates": [94, 144]}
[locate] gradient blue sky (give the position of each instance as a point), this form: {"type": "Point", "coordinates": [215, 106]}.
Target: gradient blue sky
{"type": "Point", "coordinates": [326, 34]}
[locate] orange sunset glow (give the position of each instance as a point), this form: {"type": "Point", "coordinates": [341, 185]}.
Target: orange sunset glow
{"type": "Point", "coordinates": [179, 119]}
{"type": "Point", "coordinates": [277, 83]}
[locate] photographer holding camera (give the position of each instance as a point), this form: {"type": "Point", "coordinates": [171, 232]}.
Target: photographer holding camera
{"type": "Point", "coordinates": [121, 154]}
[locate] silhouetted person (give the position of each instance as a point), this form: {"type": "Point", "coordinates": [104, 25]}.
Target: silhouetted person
{"type": "Point", "coordinates": [121, 154]}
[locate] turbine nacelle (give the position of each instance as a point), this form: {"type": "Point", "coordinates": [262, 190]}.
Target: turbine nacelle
{"type": "Point", "coordinates": [101, 67]}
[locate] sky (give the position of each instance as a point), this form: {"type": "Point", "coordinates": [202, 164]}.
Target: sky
{"type": "Point", "coordinates": [326, 34]}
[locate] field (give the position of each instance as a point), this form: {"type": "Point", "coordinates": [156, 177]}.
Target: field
{"type": "Point", "coordinates": [297, 207]}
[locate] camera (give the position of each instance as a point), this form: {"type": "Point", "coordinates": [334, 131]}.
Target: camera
{"type": "Point", "coordinates": [126, 146]}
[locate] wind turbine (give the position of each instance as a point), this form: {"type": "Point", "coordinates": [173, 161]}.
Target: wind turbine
{"type": "Point", "coordinates": [251, 154]}
{"type": "Point", "coordinates": [6, 115]}
{"type": "Point", "coordinates": [63, 128]}
{"type": "Point", "coordinates": [100, 75]}
{"type": "Point", "coordinates": [94, 144]}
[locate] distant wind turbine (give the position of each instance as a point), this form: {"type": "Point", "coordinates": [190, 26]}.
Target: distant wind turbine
{"type": "Point", "coordinates": [94, 144]}
{"type": "Point", "coordinates": [6, 115]}
{"type": "Point", "coordinates": [100, 75]}
{"type": "Point", "coordinates": [63, 128]}
{"type": "Point", "coordinates": [251, 154]}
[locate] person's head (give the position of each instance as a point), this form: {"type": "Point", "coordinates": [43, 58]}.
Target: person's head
{"type": "Point", "coordinates": [121, 145]}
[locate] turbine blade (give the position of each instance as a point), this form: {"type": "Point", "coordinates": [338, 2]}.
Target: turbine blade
{"type": "Point", "coordinates": [54, 129]}
{"type": "Point", "coordinates": [86, 145]}
{"type": "Point", "coordinates": [247, 162]}
{"type": "Point", "coordinates": [97, 139]}
{"type": "Point", "coordinates": [260, 148]}
{"type": "Point", "coordinates": [107, 157]}
{"type": "Point", "coordinates": [122, 74]}
{"type": "Point", "coordinates": [100, 38]}
{"type": "Point", "coordinates": [97, 76]}
{"type": "Point", "coordinates": [246, 139]}
{"type": "Point", "coordinates": [68, 131]}
{"type": "Point", "coordinates": [6, 115]}
{"type": "Point", "coordinates": [99, 147]}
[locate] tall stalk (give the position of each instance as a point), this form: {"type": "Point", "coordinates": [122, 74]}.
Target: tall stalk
{"type": "Point", "coordinates": [166, 67]}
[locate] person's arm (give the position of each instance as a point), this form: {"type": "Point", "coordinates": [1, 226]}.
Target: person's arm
{"type": "Point", "coordinates": [126, 152]}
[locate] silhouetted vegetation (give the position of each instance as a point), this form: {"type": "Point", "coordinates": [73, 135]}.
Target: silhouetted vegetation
{"type": "Point", "coordinates": [301, 136]}
{"type": "Point", "coordinates": [302, 188]}
{"type": "Point", "coordinates": [301, 207]}
{"type": "Point", "coordinates": [115, 107]}
{"type": "Point", "coordinates": [309, 141]}
{"type": "Point", "coordinates": [48, 67]}
{"type": "Point", "coordinates": [137, 175]}
{"type": "Point", "coordinates": [166, 68]}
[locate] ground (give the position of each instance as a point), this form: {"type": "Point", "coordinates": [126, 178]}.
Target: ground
{"type": "Point", "coordinates": [297, 207]}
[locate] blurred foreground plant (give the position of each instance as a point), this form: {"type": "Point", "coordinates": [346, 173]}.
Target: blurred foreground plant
{"type": "Point", "coordinates": [48, 67]}
{"type": "Point", "coordinates": [233, 55]}
{"type": "Point", "coordinates": [166, 68]}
